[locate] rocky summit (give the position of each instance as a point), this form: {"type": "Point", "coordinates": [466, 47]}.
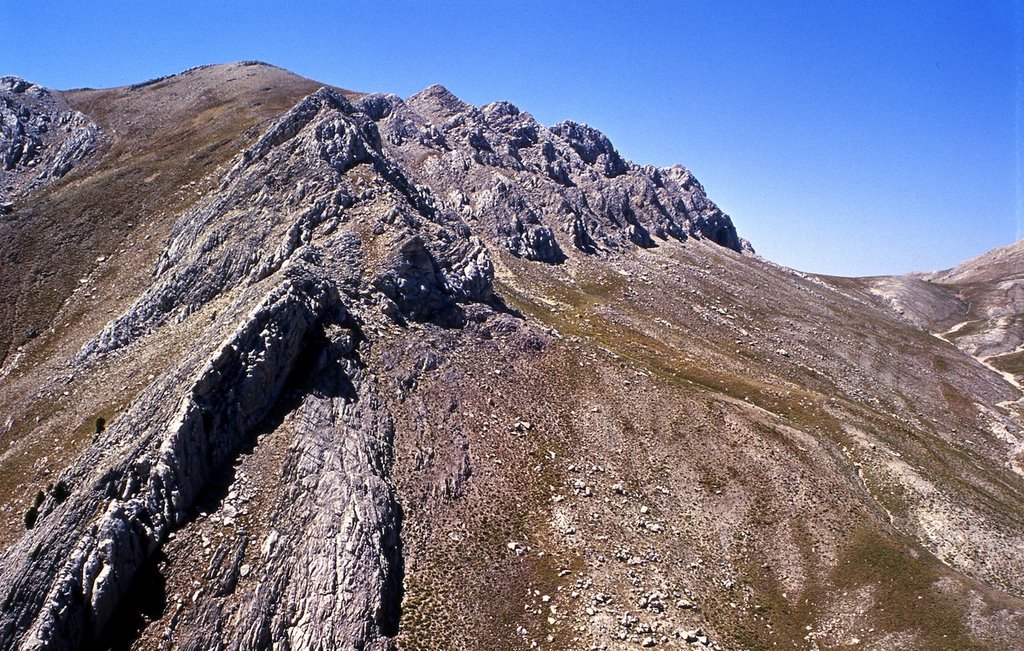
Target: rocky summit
{"type": "Point", "coordinates": [288, 366]}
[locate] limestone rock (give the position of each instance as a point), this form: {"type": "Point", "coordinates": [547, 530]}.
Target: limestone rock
{"type": "Point", "coordinates": [41, 138]}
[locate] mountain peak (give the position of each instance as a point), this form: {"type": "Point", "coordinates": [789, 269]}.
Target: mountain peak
{"type": "Point", "coordinates": [437, 101]}
{"type": "Point", "coordinates": [13, 84]}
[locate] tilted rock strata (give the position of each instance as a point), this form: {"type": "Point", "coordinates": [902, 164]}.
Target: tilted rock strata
{"type": "Point", "coordinates": [282, 211]}
{"type": "Point", "coordinates": [290, 184]}
{"type": "Point", "coordinates": [276, 221]}
{"type": "Point", "coordinates": [147, 494]}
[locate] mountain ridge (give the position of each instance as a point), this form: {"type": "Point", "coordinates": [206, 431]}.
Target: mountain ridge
{"type": "Point", "coordinates": [358, 370]}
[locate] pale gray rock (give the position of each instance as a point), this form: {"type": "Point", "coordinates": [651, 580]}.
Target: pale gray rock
{"type": "Point", "coordinates": [284, 188]}
{"type": "Point", "coordinates": [269, 243]}
{"type": "Point", "coordinates": [41, 138]}
{"type": "Point", "coordinates": [536, 191]}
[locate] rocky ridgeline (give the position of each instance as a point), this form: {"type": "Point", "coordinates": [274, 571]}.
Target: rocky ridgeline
{"type": "Point", "coordinates": [341, 216]}
{"type": "Point", "coordinates": [41, 138]}
{"type": "Point", "coordinates": [142, 480]}
{"type": "Point", "coordinates": [299, 252]}
{"type": "Point", "coordinates": [295, 412]}
{"type": "Point", "coordinates": [292, 186]}
{"type": "Point", "coordinates": [537, 191]}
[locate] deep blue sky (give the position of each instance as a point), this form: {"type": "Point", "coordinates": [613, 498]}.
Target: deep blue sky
{"type": "Point", "coordinates": [843, 137]}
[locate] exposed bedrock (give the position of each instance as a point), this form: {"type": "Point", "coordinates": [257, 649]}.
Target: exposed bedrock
{"type": "Point", "coordinates": [41, 138]}
{"type": "Point", "coordinates": [317, 237]}
{"type": "Point", "coordinates": [64, 592]}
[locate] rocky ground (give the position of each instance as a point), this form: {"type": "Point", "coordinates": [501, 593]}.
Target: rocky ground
{"type": "Point", "coordinates": [385, 373]}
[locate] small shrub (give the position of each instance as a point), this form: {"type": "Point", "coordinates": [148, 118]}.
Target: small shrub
{"type": "Point", "coordinates": [60, 492]}
{"type": "Point", "coordinates": [31, 516]}
{"type": "Point", "coordinates": [101, 424]}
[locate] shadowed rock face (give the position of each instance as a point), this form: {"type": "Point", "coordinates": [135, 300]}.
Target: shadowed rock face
{"type": "Point", "coordinates": [145, 495]}
{"type": "Point", "coordinates": [418, 374]}
{"type": "Point", "coordinates": [274, 228]}
{"type": "Point", "coordinates": [279, 193]}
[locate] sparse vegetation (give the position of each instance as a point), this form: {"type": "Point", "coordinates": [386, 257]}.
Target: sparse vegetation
{"type": "Point", "coordinates": [60, 492]}
{"type": "Point", "coordinates": [31, 515]}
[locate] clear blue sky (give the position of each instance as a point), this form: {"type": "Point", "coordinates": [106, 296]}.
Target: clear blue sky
{"type": "Point", "coordinates": [845, 137]}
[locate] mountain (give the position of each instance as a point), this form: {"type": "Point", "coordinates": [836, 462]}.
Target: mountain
{"type": "Point", "coordinates": [291, 366]}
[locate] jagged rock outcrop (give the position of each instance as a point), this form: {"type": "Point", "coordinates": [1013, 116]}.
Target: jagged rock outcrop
{"type": "Point", "coordinates": [324, 200]}
{"type": "Point", "coordinates": [144, 495]}
{"type": "Point", "coordinates": [41, 138]}
{"type": "Point", "coordinates": [272, 234]}
{"type": "Point", "coordinates": [536, 190]}
{"type": "Point", "coordinates": [285, 188]}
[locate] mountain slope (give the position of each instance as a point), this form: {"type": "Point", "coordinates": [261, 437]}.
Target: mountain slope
{"type": "Point", "coordinates": [158, 143]}
{"type": "Point", "coordinates": [978, 306]}
{"type": "Point", "coordinates": [381, 373]}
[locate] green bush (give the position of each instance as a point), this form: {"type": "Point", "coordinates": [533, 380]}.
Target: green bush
{"type": "Point", "coordinates": [60, 492]}
{"type": "Point", "coordinates": [31, 516]}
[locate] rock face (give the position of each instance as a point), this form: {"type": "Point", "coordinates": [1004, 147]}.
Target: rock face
{"type": "Point", "coordinates": [283, 190]}
{"type": "Point", "coordinates": [148, 493]}
{"type": "Point", "coordinates": [273, 231]}
{"type": "Point", "coordinates": [320, 226]}
{"type": "Point", "coordinates": [418, 374]}
{"type": "Point", "coordinates": [536, 190]}
{"type": "Point", "coordinates": [41, 138]}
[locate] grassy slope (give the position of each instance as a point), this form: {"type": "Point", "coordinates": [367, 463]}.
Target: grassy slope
{"type": "Point", "coordinates": [847, 546]}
